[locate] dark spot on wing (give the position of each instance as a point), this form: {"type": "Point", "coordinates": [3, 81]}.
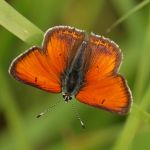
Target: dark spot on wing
{"type": "Point", "coordinates": [35, 79]}
{"type": "Point", "coordinates": [102, 102]}
{"type": "Point", "coordinates": [59, 54]}
{"type": "Point", "coordinates": [97, 68]}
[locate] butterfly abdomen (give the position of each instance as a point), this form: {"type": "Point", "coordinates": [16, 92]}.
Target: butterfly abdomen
{"type": "Point", "coordinates": [73, 82]}
{"type": "Point", "coordinates": [73, 77]}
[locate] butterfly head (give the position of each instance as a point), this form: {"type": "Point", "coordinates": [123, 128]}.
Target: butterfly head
{"type": "Point", "coordinates": [66, 97]}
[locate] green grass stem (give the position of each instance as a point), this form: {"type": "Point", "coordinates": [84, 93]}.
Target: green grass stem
{"type": "Point", "coordinates": [18, 24]}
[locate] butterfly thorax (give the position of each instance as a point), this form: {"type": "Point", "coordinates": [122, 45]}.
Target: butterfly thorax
{"type": "Point", "coordinates": [73, 77]}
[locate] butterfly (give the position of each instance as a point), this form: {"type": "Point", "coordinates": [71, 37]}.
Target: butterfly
{"type": "Point", "coordinates": [76, 64]}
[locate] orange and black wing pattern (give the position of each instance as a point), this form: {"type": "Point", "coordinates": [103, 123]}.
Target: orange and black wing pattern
{"type": "Point", "coordinates": [43, 67]}
{"type": "Point", "coordinates": [103, 87]}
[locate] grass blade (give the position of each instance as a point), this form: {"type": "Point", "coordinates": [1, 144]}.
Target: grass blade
{"type": "Point", "coordinates": [13, 116]}
{"type": "Point", "coordinates": [124, 17]}
{"type": "Point", "coordinates": [131, 126]}
{"type": "Point", "coordinates": [143, 114]}
{"type": "Point", "coordinates": [18, 24]}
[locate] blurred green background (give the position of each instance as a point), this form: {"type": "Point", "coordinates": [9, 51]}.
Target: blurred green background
{"type": "Point", "coordinates": [59, 129]}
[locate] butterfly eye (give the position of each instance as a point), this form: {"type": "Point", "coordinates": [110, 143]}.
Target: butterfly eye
{"type": "Point", "coordinates": [64, 95]}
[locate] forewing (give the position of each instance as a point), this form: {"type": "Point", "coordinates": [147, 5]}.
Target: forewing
{"type": "Point", "coordinates": [104, 58]}
{"type": "Point", "coordinates": [60, 46]}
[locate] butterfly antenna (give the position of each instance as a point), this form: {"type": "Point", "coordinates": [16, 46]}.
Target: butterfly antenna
{"type": "Point", "coordinates": [78, 116]}
{"type": "Point", "coordinates": [48, 109]}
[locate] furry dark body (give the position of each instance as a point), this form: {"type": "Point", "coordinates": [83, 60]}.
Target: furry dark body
{"type": "Point", "coordinates": [72, 79]}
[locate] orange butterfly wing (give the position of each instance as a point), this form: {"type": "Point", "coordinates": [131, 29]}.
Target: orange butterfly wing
{"type": "Point", "coordinates": [43, 67]}
{"type": "Point", "coordinates": [60, 46]}
{"type": "Point", "coordinates": [103, 87]}
{"type": "Point", "coordinates": [33, 69]}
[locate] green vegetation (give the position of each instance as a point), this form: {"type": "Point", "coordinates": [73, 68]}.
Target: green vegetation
{"type": "Point", "coordinates": [59, 129]}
